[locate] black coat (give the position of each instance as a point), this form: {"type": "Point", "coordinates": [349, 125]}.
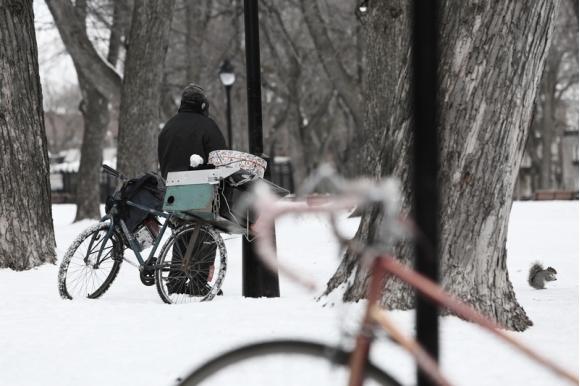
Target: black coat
{"type": "Point", "coordinates": [187, 133]}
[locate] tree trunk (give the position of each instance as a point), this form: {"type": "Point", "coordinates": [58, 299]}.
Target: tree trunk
{"type": "Point", "coordinates": [492, 55]}
{"type": "Point", "coordinates": [574, 4]}
{"type": "Point", "coordinates": [532, 145]}
{"type": "Point", "coordinates": [197, 19]}
{"type": "Point", "coordinates": [548, 129]}
{"type": "Point", "coordinates": [95, 110]}
{"type": "Point", "coordinates": [141, 95]}
{"type": "Point", "coordinates": [26, 230]}
{"type": "Point", "coordinates": [121, 19]}
{"type": "Point", "coordinates": [560, 73]}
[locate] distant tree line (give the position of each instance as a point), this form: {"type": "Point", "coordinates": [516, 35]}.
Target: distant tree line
{"type": "Point", "coordinates": [556, 104]}
{"type": "Point", "coordinates": [313, 61]}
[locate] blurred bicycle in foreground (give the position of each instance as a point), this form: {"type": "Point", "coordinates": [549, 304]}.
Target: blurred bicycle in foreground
{"type": "Point", "coordinates": [297, 362]}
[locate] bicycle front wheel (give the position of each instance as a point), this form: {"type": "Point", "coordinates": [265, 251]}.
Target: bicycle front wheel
{"type": "Point", "coordinates": [90, 264]}
{"type": "Point", "coordinates": [283, 362]}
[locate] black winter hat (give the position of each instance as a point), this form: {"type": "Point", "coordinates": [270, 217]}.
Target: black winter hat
{"type": "Point", "coordinates": [194, 94]}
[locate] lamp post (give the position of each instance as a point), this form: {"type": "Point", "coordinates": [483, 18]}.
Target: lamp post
{"type": "Point", "coordinates": [257, 279]}
{"type": "Point", "coordinates": [228, 78]}
{"type": "Point", "coordinates": [426, 168]}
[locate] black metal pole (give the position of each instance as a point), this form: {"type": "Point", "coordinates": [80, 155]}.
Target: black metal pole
{"type": "Point", "coordinates": [254, 81]}
{"type": "Point", "coordinates": [229, 115]}
{"type": "Point", "coordinates": [257, 280]}
{"type": "Point", "coordinates": [426, 168]}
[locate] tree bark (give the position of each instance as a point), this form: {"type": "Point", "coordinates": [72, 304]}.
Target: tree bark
{"type": "Point", "coordinates": [574, 4]}
{"type": "Point", "coordinates": [532, 146]}
{"type": "Point", "coordinates": [197, 19]}
{"type": "Point", "coordinates": [387, 123]}
{"type": "Point", "coordinates": [492, 56]}
{"type": "Point", "coordinates": [141, 95]}
{"type": "Point", "coordinates": [26, 229]}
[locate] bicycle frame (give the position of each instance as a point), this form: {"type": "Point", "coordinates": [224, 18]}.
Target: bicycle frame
{"type": "Point", "coordinates": [375, 316]}
{"type": "Point", "coordinates": [129, 236]}
{"type": "Point", "coordinates": [381, 266]}
{"type": "Point", "coordinates": [131, 239]}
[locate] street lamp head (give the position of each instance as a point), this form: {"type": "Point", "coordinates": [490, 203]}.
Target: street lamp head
{"type": "Point", "coordinates": [363, 7]}
{"type": "Point", "coordinates": [227, 74]}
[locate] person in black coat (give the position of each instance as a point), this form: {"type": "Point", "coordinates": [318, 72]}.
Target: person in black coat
{"type": "Point", "coordinates": [190, 131]}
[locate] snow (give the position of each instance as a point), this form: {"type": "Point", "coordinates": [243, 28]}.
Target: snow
{"type": "Point", "coordinates": [72, 160]}
{"type": "Point", "coordinates": [129, 337]}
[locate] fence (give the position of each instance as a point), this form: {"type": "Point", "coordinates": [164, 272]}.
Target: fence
{"type": "Point", "coordinates": [283, 174]}
{"type": "Point", "coordinates": [63, 186]}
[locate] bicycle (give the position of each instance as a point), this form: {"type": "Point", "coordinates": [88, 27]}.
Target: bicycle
{"type": "Point", "coordinates": [191, 265]}
{"type": "Point", "coordinates": [351, 366]}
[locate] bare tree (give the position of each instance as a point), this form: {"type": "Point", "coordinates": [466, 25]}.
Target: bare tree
{"type": "Point", "coordinates": [26, 230]}
{"type": "Point", "coordinates": [492, 56]}
{"type": "Point", "coordinates": [139, 118]}
{"type": "Point", "coordinates": [313, 93]}
{"type": "Point", "coordinates": [95, 110]}
{"type": "Point", "coordinates": [95, 103]}
{"type": "Point", "coordinates": [305, 117]}
{"type": "Point", "coordinates": [559, 77]}
{"type": "Point", "coordinates": [345, 83]}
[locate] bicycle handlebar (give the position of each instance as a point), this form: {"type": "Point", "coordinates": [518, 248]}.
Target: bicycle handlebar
{"type": "Point", "coordinates": [349, 194]}
{"type": "Point", "coordinates": [109, 170]}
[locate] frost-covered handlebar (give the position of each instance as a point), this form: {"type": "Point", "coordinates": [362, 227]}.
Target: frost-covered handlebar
{"type": "Point", "coordinates": [347, 194]}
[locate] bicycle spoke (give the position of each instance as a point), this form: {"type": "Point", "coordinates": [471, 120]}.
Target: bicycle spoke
{"type": "Point", "coordinates": [183, 280]}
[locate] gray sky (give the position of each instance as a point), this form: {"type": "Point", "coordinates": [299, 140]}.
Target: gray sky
{"type": "Point", "coordinates": [56, 67]}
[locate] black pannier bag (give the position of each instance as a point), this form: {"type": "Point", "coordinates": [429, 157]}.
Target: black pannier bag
{"type": "Point", "coordinates": [232, 190]}
{"type": "Point", "coordinates": [146, 190]}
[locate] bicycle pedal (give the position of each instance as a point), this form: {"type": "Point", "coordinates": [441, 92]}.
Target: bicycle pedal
{"type": "Point", "coordinates": [147, 279]}
{"type": "Point", "coordinates": [147, 273]}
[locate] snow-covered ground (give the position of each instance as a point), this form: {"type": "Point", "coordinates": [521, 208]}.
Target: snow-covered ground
{"type": "Point", "coordinates": [129, 337]}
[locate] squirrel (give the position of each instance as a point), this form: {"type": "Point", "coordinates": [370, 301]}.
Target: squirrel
{"type": "Point", "coordinates": [539, 276]}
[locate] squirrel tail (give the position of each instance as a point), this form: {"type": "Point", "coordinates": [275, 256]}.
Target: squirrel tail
{"type": "Point", "coordinates": [535, 268]}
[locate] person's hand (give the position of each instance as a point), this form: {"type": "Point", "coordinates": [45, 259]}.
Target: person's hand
{"type": "Point", "coordinates": [195, 160]}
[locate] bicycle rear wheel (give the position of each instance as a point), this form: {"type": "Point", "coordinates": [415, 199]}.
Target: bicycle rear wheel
{"type": "Point", "coordinates": [198, 278]}
{"type": "Point", "coordinates": [283, 362]}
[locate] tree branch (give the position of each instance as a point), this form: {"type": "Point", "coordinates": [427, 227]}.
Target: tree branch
{"type": "Point", "coordinates": [121, 15]}
{"type": "Point", "coordinates": [346, 86]}
{"type": "Point", "coordinates": [569, 83]}
{"type": "Point", "coordinates": [95, 69]}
